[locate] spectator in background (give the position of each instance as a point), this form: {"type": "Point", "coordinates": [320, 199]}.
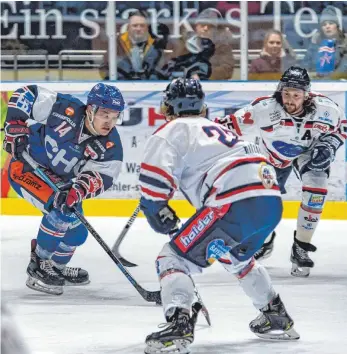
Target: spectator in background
{"type": "Point", "coordinates": [275, 57]}
{"type": "Point", "coordinates": [208, 47]}
{"type": "Point", "coordinates": [138, 50]}
{"type": "Point", "coordinates": [327, 54]}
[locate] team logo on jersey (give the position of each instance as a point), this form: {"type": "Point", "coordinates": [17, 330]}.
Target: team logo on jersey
{"type": "Point", "coordinates": [322, 127]}
{"type": "Point", "coordinates": [217, 250]}
{"type": "Point", "coordinates": [267, 175]}
{"type": "Point", "coordinates": [109, 144]}
{"type": "Point", "coordinates": [69, 111]}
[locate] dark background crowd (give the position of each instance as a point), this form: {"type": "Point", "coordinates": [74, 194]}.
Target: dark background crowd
{"type": "Point", "coordinates": [209, 49]}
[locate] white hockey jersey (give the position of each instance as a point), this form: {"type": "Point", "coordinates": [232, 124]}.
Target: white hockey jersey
{"type": "Point", "coordinates": [282, 137]}
{"type": "Point", "coordinates": [209, 164]}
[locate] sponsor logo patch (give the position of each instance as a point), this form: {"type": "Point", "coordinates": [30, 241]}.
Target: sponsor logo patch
{"type": "Point", "coordinates": [62, 117]}
{"type": "Point", "coordinates": [89, 151]}
{"type": "Point", "coordinates": [311, 218]}
{"type": "Point", "coordinates": [195, 230]}
{"type": "Point", "coordinates": [316, 201]}
{"type": "Point", "coordinates": [109, 144]}
{"type": "Point", "coordinates": [322, 127]}
{"type": "Point", "coordinates": [276, 115]}
{"type": "Point", "coordinates": [217, 250]}
{"type": "Point", "coordinates": [69, 111]}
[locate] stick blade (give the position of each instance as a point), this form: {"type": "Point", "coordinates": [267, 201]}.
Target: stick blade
{"type": "Point", "coordinates": [127, 263]}
{"type": "Point", "coordinates": [124, 262]}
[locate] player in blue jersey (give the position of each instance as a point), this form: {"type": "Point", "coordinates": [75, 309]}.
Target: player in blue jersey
{"type": "Point", "coordinates": [79, 148]}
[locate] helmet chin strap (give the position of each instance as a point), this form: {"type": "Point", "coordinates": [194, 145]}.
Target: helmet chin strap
{"type": "Point", "coordinates": [90, 118]}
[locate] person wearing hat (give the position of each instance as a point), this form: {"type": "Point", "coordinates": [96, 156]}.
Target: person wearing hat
{"type": "Point", "coordinates": [208, 25]}
{"type": "Point", "coordinates": [327, 54]}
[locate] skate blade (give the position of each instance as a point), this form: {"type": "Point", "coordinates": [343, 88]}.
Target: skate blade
{"type": "Point", "coordinates": [37, 285]}
{"type": "Point", "coordinates": [290, 334]}
{"type": "Point", "coordinates": [68, 283]}
{"type": "Point", "coordinates": [300, 272]}
{"type": "Point", "coordinates": [176, 346]}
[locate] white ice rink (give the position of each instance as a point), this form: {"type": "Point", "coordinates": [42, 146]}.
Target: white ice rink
{"type": "Point", "coordinates": [108, 316]}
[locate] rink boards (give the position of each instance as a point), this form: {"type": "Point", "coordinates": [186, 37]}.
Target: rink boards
{"type": "Point", "coordinates": [142, 119]}
{"type": "Point", "coordinates": [125, 207]}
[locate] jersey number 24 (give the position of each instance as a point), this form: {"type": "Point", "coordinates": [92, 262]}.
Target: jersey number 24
{"type": "Point", "coordinates": [225, 136]}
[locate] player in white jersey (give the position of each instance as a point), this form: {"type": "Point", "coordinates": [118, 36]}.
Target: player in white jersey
{"type": "Point", "coordinates": [235, 192]}
{"type": "Point", "coordinates": [302, 130]}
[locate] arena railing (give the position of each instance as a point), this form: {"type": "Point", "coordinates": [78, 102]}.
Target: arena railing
{"type": "Point", "coordinates": [92, 59]}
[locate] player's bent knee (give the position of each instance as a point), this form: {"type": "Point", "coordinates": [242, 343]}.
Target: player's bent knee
{"type": "Point", "coordinates": [76, 236]}
{"type": "Point", "coordinates": [239, 269]}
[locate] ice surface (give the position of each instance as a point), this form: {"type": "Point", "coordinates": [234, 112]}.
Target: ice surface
{"type": "Point", "coordinates": [109, 317]}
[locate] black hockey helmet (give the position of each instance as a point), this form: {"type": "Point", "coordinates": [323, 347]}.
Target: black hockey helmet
{"type": "Point", "coordinates": [295, 77]}
{"type": "Point", "coordinates": [183, 96]}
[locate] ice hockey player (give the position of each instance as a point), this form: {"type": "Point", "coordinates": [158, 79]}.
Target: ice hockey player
{"type": "Point", "coordinates": [237, 198]}
{"type": "Point", "coordinates": [296, 129]}
{"type": "Point", "coordinates": [79, 148]}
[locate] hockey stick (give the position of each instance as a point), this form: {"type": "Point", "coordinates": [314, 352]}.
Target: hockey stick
{"type": "Point", "coordinates": [150, 296]}
{"type": "Point", "coordinates": [115, 248]}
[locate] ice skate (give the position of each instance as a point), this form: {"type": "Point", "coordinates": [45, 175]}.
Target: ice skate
{"type": "Point", "coordinates": [73, 276]}
{"type": "Point", "coordinates": [178, 334]}
{"type": "Point", "coordinates": [41, 275]}
{"type": "Point", "coordinates": [274, 323]}
{"type": "Point", "coordinates": [301, 262]}
{"type": "Point", "coordinates": [266, 250]}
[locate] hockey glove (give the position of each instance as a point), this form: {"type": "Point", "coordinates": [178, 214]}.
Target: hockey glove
{"type": "Point", "coordinates": [160, 216]}
{"type": "Point", "coordinates": [88, 185]}
{"type": "Point", "coordinates": [226, 121]}
{"type": "Point", "coordinates": [65, 200]}
{"type": "Point", "coordinates": [322, 156]}
{"type": "Point", "coordinates": [16, 138]}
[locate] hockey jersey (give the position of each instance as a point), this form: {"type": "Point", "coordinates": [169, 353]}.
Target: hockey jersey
{"type": "Point", "coordinates": [206, 161]}
{"type": "Point", "coordinates": [283, 137]}
{"type": "Point", "coordinates": [58, 138]}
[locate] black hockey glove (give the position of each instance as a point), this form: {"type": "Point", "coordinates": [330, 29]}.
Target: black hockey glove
{"type": "Point", "coordinates": [16, 138]}
{"type": "Point", "coordinates": [160, 216]}
{"type": "Point", "coordinates": [322, 156]}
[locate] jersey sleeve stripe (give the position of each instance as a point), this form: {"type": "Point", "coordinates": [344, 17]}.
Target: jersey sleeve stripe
{"type": "Point", "coordinates": [160, 172]}
{"type": "Point", "coordinates": [151, 194]}
{"type": "Point", "coordinates": [153, 182]}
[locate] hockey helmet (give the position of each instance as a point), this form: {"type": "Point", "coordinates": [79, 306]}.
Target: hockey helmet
{"type": "Point", "coordinates": [295, 77]}
{"type": "Point", "coordinates": [105, 96]}
{"type": "Point", "coordinates": [183, 96]}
